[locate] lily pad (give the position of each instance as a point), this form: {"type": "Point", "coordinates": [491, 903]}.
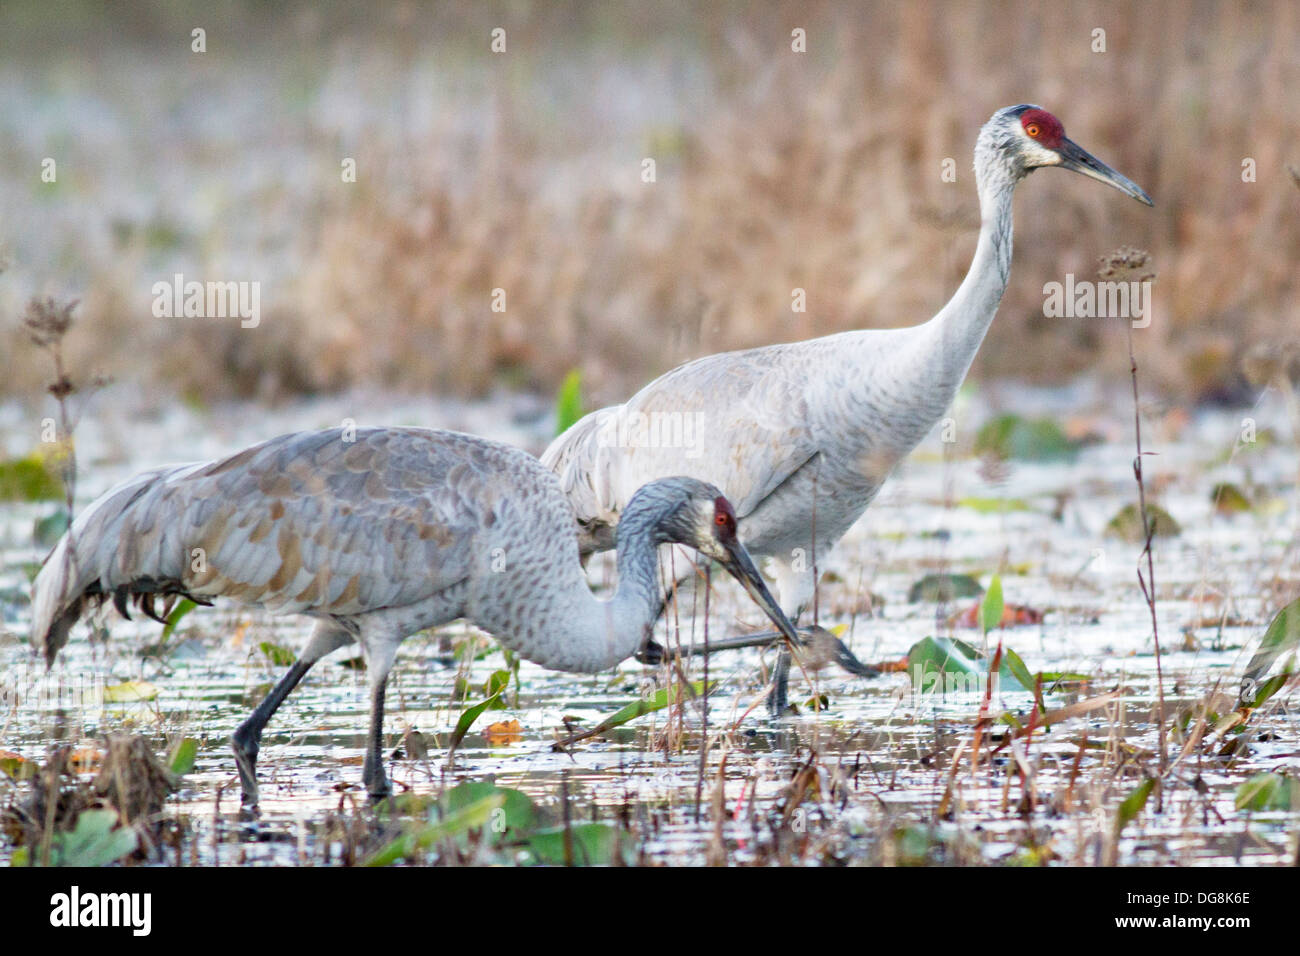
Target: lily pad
{"type": "Point", "coordinates": [1127, 524]}
{"type": "Point", "coordinates": [517, 811]}
{"type": "Point", "coordinates": [96, 840]}
{"type": "Point", "coordinates": [944, 587]}
{"type": "Point", "coordinates": [947, 665]}
{"type": "Point", "coordinates": [590, 844]}
{"type": "Point", "coordinates": [1228, 499]}
{"type": "Point", "coordinates": [476, 814]}
{"type": "Point", "coordinates": [16, 766]}
{"type": "Point", "coordinates": [29, 479]}
{"type": "Point", "coordinates": [1010, 436]}
{"type": "Point", "coordinates": [130, 692]}
{"type": "Point", "coordinates": [994, 505]}
{"type": "Point", "coordinates": [47, 531]}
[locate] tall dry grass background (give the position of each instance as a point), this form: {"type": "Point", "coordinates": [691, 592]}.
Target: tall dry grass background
{"type": "Point", "coordinates": [521, 171]}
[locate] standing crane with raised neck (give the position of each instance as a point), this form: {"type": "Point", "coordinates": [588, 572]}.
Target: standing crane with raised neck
{"type": "Point", "coordinates": [801, 436]}
{"type": "Point", "coordinates": [376, 536]}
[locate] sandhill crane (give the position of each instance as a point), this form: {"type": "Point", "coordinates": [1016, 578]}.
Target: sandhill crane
{"type": "Point", "coordinates": [801, 436]}
{"type": "Point", "coordinates": [378, 535]}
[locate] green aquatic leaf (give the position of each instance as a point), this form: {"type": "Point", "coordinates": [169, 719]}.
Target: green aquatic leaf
{"type": "Point", "coordinates": [29, 479]}
{"type": "Point", "coordinates": [944, 587]}
{"type": "Point", "coordinates": [1011, 436]}
{"type": "Point", "coordinates": [945, 664]}
{"type": "Point", "coordinates": [1267, 791]}
{"type": "Point", "coordinates": [994, 505]}
{"type": "Point", "coordinates": [130, 692]}
{"type": "Point", "coordinates": [17, 768]}
{"type": "Point", "coordinates": [517, 811]}
{"type": "Point", "coordinates": [477, 814]}
{"type": "Point", "coordinates": [1013, 663]}
{"type": "Point", "coordinates": [183, 756]}
{"type": "Point", "coordinates": [591, 844]}
{"type": "Point", "coordinates": [493, 689]}
{"type": "Point", "coordinates": [1228, 499]}
{"type": "Point", "coordinates": [495, 686]}
{"type": "Point", "coordinates": [991, 605]}
{"type": "Point", "coordinates": [1270, 687]}
{"type": "Point", "coordinates": [1058, 677]}
{"type": "Point", "coordinates": [1127, 524]}
{"type": "Point", "coordinates": [278, 655]}
{"type": "Point", "coordinates": [1282, 636]}
{"type": "Point", "coordinates": [1132, 805]}
{"type": "Point", "coordinates": [568, 403]}
{"type": "Point", "coordinates": [660, 699]}
{"type": "Point", "coordinates": [96, 840]}
{"type": "Point", "coordinates": [47, 531]}
{"type": "Point", "coordinates": [183, 607]}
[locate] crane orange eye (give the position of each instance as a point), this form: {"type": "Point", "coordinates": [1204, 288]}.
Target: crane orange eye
{"type": "Point", "coordinates": [1032, 130]}
{"type": "Point", "coordinates": [721, 519]}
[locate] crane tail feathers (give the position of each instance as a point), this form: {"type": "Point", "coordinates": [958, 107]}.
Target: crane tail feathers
{"type": "Point", "coordinates": [77, 574]}
{"type": "Point", "coordinates": [57, 602]}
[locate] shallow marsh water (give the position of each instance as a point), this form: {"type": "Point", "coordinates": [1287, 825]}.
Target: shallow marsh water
{"type": "Point", "coordinates": [867, 780]}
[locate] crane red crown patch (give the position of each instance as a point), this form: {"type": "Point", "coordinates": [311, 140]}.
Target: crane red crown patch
{"type": "Point", "coordinates": [1043, 127]}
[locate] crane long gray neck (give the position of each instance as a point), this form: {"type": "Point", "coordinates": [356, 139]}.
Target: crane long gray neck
{"type": "Point", "coordinates": [586, 634]}
{"type": "Point", "coordinates": [638, 537]}
{"type": "Point", "coordinates": [947, 344]}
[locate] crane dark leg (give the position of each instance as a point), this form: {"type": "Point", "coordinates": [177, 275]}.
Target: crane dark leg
{"type": "Point", "coordinates": [778, 698]}
{"type": "Point", "coordinates": [247, 738]}
{"type": "Point", "coordinates": [379, 661]}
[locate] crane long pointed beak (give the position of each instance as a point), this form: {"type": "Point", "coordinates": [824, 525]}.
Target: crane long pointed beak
{"type": "Point", "coordinates": [1075, 157]}
{"type": "Point", "coordinates": [739, 565]}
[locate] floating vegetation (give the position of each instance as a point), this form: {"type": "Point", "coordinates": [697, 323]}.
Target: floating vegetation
{"type": "Point", "coordinates": [1228, 499]}
{"type": "Point", "coordinates": [929, 761]}
{"type": "Point", "coordinates": [29, 479]}
{"type": "Point", "coordinates": [1127, 524]}
{"type": "Point", "coordinates": [944, 588]}
{"type": "Point", "coordinates": [1021, 439]}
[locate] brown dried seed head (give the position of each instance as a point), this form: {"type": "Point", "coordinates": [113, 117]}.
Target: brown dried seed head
{"type": "Point", "coordinates": [46, 321]}
{"type": "Point", "coordinates": [1127, 264]}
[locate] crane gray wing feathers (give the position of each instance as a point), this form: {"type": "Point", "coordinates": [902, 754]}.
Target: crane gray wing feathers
{"type": "Point", "coordinates": [303, 522]}
{"type": "Point", "coordinates": [738, 420]}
